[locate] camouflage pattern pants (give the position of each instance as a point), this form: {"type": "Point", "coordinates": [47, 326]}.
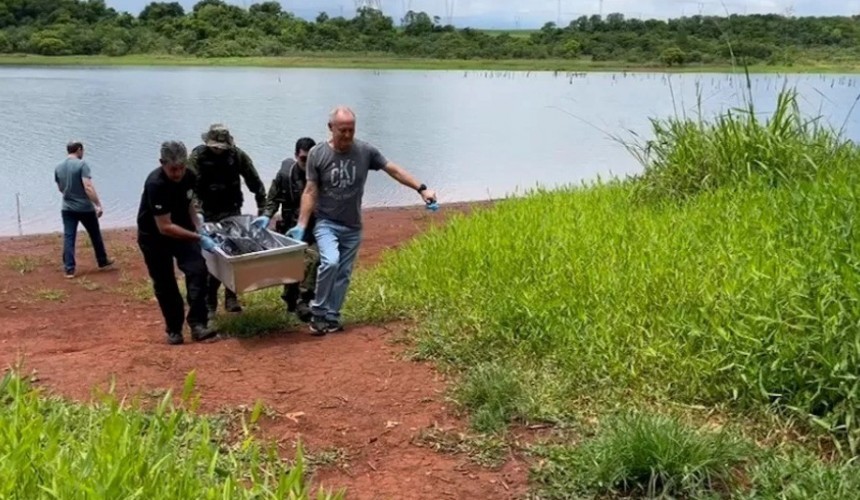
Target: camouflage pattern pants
{"type": "Point", "coordinates": [304, 291]}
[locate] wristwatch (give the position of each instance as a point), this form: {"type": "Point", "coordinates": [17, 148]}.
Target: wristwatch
{"type": "Point", "coordinates": [422, 187]}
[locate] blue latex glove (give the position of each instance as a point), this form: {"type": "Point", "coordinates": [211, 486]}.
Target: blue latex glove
{"type": "Point", "coordinates": [296, 233]}
{"type": "Point", "coordinates": [207, 243]}
{"type": "Point", "coordinates": [432, 205]}
{"type": "Point", "coordinates": [261, 222]}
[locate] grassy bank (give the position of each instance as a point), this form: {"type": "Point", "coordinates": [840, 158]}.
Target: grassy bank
{"type": "Point", "coordinates": [724, 280]}
{"type": "Point", "coordinates": [52, 448]}
{"type": "Point", "coordinates": [353, 61]}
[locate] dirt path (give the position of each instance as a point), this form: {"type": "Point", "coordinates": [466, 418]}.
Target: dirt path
{"type": "Point", "coordinates": [357, 406]}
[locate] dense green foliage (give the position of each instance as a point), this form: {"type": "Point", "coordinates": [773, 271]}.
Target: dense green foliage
{"type": "Point", "coordinates": [52, 448]}
{"type": "Point", "coordinates": [214, 28]}
{"type": "Point", "coordinates": [744, 290]}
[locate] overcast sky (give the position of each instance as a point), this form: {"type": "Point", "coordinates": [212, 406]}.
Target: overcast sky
{"type": "Point", "coordinates": [533, 13]}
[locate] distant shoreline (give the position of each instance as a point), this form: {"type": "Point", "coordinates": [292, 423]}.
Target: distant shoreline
{"type": "Point", "coordinates": [390, 62]}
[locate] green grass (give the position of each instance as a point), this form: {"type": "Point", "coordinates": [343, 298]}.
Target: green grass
{"type": "Point", "coordinates": [52, 448]}
{"type": "Point", "coordinates": [264, 313]}
{"type": "Point", "coordinates": [799, 475]}
{"type": "Point", "coordinates": [642, 455]}
{"type": "Point", "coordinates": [726, 276]}
{"type": "Point", "coordinates": [134, 288]}
{"type": "Point", "coordinates": [387, 61]}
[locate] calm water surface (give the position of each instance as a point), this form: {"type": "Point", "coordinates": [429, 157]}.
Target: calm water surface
{"type": "Point", "coordinates": [470, 135]}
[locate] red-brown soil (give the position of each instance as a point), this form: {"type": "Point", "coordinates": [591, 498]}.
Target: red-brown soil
{"type": "Point", "coordinates": [351, 396]}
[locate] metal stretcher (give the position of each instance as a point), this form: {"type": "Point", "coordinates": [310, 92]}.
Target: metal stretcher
{"type": "Point", "coordinates": [258, 270]}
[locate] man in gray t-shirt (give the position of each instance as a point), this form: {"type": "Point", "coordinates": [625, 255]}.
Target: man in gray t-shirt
{"type": "Point", "coordinates": [81, 204]}
{"type": "Point", "coordinates": [337, 172]}
{"type": "Point", "coordinates": [341, 178]}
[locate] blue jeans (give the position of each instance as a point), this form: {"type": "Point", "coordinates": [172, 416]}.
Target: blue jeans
{"type": "Point", "coordinates": [338, 247]}
{"type": "Point", "coordinates": [70, 232]}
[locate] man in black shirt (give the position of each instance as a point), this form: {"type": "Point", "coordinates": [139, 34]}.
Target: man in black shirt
{"type": "Point", "coordinates": [168, 229]}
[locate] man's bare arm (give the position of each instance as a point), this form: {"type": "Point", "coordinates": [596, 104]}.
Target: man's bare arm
{"type": "Point", "coordinates": [168, 228]}
{"type": "Point", "coordinates": [192, 212]}
{"type": "Point", "coordinates": [90, 189]}
{"type": "Point", "coordinates": [402, 176]}
{"type": "Point", "coordinates": [309, 203]}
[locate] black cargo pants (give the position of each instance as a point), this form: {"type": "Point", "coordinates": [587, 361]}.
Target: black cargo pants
{"type": "Point", "coordinates": [159, 257]}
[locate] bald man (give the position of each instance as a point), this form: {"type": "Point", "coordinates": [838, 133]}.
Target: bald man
{"type": "Point", "coordinates": [337, 171]}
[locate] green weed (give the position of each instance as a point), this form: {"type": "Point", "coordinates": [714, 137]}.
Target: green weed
{"type": "Point", "coordinates": [56, 449]}
{"type": "Point", "coordinates": [499, 394]}
{"type": "Point", "coordinates": [641, 455]}
{"type": "Point", "coordinates": [252, 322]}
{"type": "Point", "coordinates": [23, 264]}
{"type": "Point", "coordinates": [328, 457]}
{"type": "Point", "coordinates": [137, 289]}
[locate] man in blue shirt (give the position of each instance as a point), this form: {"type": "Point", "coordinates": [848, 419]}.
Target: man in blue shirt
{"type": "Point", "coordinates": [80, 205]}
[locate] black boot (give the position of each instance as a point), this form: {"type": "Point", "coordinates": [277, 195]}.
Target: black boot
{"type": "Point", "coordinates": [303, 312]}
{"type": "Point", "coordinates": [200, 333]}
{"type": "Point", "coordinates": [212, 301]}
{"type": "Point", "coordinates": [303, 308]}
{"type": "Point", "coordinates": [231, 302]}
{"type": "Point", "coordinates": [174, 338]}
{"type": "Point", "coordinates": [290, 296]}
{"type": "Point", "coordinates": [291, 302]}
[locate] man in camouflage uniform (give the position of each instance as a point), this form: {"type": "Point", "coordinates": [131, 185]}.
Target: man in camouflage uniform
{"type": "Point", "coordinates": [219, 165]}
{"type": "Point", "coordinates": [286, 192]}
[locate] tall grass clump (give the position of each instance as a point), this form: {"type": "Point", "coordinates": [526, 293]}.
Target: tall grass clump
{"type": "Point", "coordinates": [747, 293]}
{"type": "Point", "coordinates": [642, 455]}
{"type": "Point", "coordinates": [686, 157]}
{"type": "Point", "coordinates": [52, 448]}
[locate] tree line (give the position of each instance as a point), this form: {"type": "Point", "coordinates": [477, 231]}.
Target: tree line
{"type": "Point", "coordinates": [214, 28]}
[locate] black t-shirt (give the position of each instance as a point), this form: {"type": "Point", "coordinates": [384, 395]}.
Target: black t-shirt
{"type": "Point", "coordinates": [164, 196]}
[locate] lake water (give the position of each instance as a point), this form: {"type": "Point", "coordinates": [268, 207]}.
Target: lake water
{"type": "Point", "coordinates": [469, 135]}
